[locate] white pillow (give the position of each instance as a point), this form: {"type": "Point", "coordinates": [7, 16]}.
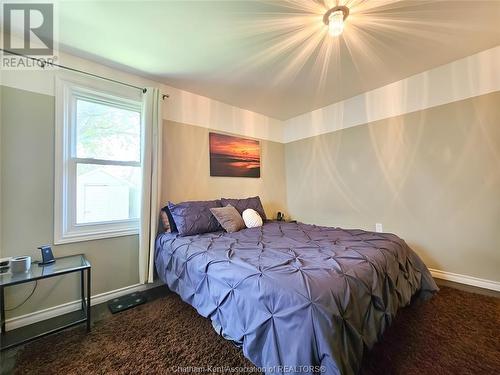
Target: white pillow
{"type": "Point", "coordinates": [251, 218]}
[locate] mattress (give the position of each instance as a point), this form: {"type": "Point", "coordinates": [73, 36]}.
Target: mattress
{"type": "Point", "coordinates": [297, 298]}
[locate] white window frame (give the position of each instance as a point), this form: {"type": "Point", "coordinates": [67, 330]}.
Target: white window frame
{"type": "Point", "coordinates": [68, 90]}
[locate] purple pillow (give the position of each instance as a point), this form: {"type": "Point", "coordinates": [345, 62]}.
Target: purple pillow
{"type": "Point", "coordinates": [194, 217]}
{"type": "Point", "coordinates": [242, 204]}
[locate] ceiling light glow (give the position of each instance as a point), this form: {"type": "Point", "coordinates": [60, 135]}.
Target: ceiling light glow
{"type": "Point", "coordinates": [336, 23]}
{"type": "Point", "coordinates": [335, 18]}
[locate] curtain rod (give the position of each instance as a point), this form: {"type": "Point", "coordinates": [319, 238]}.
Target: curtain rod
{"type": "Point", "coordinates": [43, 63]}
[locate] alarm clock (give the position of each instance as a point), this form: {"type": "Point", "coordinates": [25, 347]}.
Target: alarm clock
{"type": "Point", "coordinates": [47, 256]}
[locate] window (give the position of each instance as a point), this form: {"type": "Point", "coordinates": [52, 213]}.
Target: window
{"type": "Point", "coordinates": [98, 163]}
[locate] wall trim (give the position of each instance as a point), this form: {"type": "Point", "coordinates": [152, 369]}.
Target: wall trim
{"type": "Point", "coordinates": [183, 106]}
{"type": "Point", "coordinates": [466, 78]}
{"type": "Point", "coordinates": [51, 312]}
{"type": "Point", "coordinates": [465, 279]}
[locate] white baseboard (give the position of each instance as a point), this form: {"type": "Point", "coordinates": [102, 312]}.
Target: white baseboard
{"type": "Point", "coordinates": [464, 279]}
{"type": "Point", "coordinates": [51, 312]}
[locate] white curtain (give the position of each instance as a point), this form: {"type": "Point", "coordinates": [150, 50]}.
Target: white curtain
{"type": "Point", "coordinates": [151, 178]}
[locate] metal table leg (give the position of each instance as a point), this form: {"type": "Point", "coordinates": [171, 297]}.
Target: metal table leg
{"type": "Point", "coordinates": [2, 311]}
{"type": "Point", "coordinates": [82, 288]}
{"type": "Point", "coordinates": [88, 298]}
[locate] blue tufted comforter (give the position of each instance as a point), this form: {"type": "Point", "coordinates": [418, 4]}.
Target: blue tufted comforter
{"type": "Point", "coordinates": [293, 294]}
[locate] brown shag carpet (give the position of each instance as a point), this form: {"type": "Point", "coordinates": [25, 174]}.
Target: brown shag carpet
{"type": "Point", "coordinates": [453, 333]}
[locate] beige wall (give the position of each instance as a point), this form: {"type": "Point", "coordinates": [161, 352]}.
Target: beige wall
{"type": "Point", "coordinates": [432, 177]}
{"type": "Point", "coordinates": [27, 215]}
{"type": "Point", "coordinates": [27, 195]}
{"type": "Point", "coordinates": [187, 175]}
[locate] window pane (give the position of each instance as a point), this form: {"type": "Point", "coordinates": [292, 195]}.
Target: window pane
{"type": "Point", "coordinates": [107, 132]}
{"type": "Point", "coordinates": [107, 193]}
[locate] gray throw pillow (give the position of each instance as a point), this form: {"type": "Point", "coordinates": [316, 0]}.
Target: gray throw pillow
{"type": "Point", "coordinates": [229, 218]}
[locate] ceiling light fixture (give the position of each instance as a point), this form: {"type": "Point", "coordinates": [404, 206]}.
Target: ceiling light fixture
{"type": "Point", "coordinates": [335, 18]}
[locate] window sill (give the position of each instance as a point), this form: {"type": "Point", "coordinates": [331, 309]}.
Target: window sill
{"type": "Point", "coordinates": [81, 237]}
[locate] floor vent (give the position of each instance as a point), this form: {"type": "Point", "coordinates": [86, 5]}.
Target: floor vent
{"type": "Point", "coordinates": [126, 302]}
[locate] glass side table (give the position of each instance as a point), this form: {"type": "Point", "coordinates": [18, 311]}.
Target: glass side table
{"type": "Point", "coordinates": [62, 266]}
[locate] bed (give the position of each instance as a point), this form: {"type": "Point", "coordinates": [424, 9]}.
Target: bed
{"type": "Point", "coordinates": [307, 297]}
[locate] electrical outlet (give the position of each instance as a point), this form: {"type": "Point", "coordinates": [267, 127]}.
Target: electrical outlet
{"type": "Point", "coordinates": [379, 228]}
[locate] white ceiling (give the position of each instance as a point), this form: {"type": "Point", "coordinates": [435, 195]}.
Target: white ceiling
{"type": "Point", "coordinates": [275, 57]}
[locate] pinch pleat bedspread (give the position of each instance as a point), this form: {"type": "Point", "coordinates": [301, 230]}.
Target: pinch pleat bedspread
{"type": "Point", "coordinates": [293, 294]}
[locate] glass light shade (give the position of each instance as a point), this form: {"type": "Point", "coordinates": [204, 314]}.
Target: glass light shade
{"type": "Point", "coordinates": [336, 23]}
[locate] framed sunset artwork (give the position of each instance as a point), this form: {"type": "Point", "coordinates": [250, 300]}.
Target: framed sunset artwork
{"type": "Point", "coordinates": [234, 156]}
